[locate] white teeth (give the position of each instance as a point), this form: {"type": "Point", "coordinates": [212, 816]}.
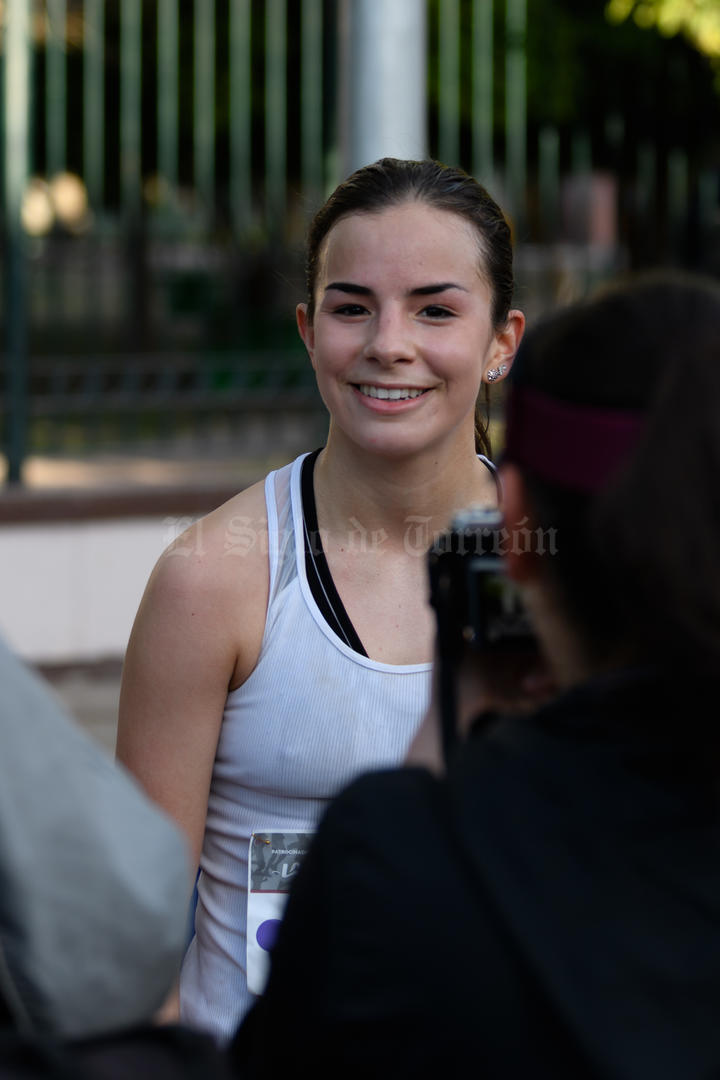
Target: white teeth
{"type": "Point", "coordinates": [389, 394]}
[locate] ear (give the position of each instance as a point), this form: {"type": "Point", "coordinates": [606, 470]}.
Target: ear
{"type": "Point", "coordinates": [505, 343]}
{"type": "Point", "coordinates": [306, 330]}
{"type": "Point", "coordinates": [521, 563]}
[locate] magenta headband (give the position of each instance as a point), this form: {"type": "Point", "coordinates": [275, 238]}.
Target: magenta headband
{"type": "Point", "coordinates": [573, 446]}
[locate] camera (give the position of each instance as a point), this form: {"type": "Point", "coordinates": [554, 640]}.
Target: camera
{"type": "Point", "coordinates": [478, 608]}
{"type": "Point", "coordinates": [475, 602]}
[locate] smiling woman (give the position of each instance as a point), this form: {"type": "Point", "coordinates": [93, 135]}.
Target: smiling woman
{"type": "Point", "coordinates": [402, 334]}
{"type": "Point", "coordinates": [284, 643]}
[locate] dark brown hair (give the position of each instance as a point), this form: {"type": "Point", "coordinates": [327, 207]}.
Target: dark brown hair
{"type": "Point", "coordinates": [637, 565]}
{"type": "Point", "coordinates": [391, 181]}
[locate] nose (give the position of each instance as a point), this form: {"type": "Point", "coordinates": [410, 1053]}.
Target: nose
{"type": "Point", "coordinates": [390, 339]}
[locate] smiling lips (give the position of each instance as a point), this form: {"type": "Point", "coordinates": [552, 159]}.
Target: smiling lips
{"type": "Point", "coordinates": [387, 393]}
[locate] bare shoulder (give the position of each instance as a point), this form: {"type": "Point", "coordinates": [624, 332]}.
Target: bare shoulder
{"type": "Point", "coordinates": [225, 548]}
{"type": "Point", "coordinates": [197, 634]}
{"type": "Point", "coordinates": [216, 574]}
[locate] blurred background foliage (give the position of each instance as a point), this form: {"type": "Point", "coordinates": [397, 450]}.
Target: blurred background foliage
{"type": "Point", "coordinates": [697, 20]}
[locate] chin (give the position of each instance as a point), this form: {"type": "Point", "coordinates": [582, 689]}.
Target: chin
{"type": "Point", "coordinates": [398, 448]}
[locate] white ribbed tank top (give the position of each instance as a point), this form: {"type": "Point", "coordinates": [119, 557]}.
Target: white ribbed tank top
{"type": "Point", "coordinates": [311, 716]}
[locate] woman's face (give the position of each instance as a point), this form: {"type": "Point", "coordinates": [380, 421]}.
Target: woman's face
{"type": "Point", "coordinates": [402, 334]}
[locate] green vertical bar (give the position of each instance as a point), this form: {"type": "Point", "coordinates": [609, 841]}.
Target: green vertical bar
{"type": "Point", "coordinates": [448, 81]}
{"type": "Point", "coordinates": [482, 90]}
{"type": "Point", "coordinates": [130, 105]}
{"type": "Point", "coordinates": [94, 101]}
{"type": "Point", "coordinates": [615, 129]}
{"type": "Point", "coordinates": [707, 199]}
{"type": "Point", "coordinates": [707, 210]}
{"type": "Point", "coordinates": [516, 110]}
{"type": "Point", "coordinates": [549, 182]}
{"type": "Point", "coordinates": [204, 113]}
{"type": "Point", "coordinates": [167, 93]}
{"type": "Point", "coordinates": [311, 99]}
{"type": "Point", "coordinates": [677, 197]}
{"type": "Point", "coordinates": [275, 111]}
{"type": "Point", "coordinates": [16, 150]}
{"type": "Point", "coordinates": [646, 178]}
{"type": "Point", "coordinates": [240, 113]}
{"type": "Point", "coordinates": [55, 89]}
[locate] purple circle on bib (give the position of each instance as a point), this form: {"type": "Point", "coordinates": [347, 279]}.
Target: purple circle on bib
{"type": "Point", "coordinates": [266, 933]}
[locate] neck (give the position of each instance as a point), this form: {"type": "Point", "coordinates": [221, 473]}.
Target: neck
{"type": "Point", "coordinates": [405, 496]}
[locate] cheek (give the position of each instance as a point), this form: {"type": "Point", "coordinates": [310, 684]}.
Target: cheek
{"type": "Point", "coordinates": [464, 362]}
{"type": "Point", "coordinates": [481, 352]}
{"type": "Point", "coordinates": [333, 346]}
{"type": "Point", "coordinates": [325, 365]}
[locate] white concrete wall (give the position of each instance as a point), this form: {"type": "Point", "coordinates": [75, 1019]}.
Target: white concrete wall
{"type": "Point", "coordinates": [69, 591]}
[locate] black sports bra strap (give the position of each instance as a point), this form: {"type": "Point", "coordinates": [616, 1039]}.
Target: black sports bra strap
{"type": "Point", "coordinates": [317, 570]}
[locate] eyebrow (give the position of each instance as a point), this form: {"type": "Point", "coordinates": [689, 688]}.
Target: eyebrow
{"type": "Point", "coordinates": [421, 290]}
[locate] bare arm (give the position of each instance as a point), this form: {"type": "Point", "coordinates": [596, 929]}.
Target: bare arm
{"type": "Point", "coordinates": [196, 634]}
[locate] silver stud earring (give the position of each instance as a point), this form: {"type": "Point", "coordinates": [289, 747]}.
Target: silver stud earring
{"type": "Point", "coordinates": [495, 372]}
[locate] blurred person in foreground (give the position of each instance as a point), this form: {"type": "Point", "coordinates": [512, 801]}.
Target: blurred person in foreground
{"type": "Point", "coordinates": [546, 901]}
{"type": "Point", "coordinates": [93, 903]}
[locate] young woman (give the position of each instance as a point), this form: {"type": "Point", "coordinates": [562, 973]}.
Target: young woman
{"type": "Point", "coordinates": [549, 905]}
{"type": "Point", "coordinates": [284, 643]}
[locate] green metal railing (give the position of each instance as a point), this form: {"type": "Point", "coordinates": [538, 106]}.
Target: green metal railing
{"type": "Point", "coordinates": [204, 133]}
{"type": "Point", "coordinates": [231, 103]}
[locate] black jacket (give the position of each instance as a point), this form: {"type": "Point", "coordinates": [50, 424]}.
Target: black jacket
{"type": "Point", "coordinates": [550, 909]}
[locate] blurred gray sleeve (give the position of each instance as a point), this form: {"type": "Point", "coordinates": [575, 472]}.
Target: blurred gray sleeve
{"type": "Point", "coordinates": [94, 879]}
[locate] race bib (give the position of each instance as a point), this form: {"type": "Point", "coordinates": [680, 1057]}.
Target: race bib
{"type": "Point", "coordinates": [273, 863]}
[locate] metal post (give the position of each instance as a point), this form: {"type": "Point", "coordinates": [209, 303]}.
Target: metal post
{"type": "Point", "coordinates": [516, 111]}
{"type": "Point", "coordinates": [646, 184]}
{"type": "Point", "coordinates": [383, 99]}
{"type": "Point", "coordinates": [275, 112]}
{"type": "Point", "coordinates": [449, 81]}
{"type": "Point", "coordinates": [55, 89]}
{"type": "Point", "coordinates": [167, 96]}
{"type": "Point", "coordinates": [549, 182]}
{"type": "Point", "coordinates": [16, 91]}
{"type": "Point", "coordinates": [482, 90]}
{"type": "Point", "coordinates": [678, 188]}
{"type": "Point", "coordinates": [707, 200]}
{"type": "Point", "coordinates": [204, 118]}
{"type": "Point", "coordinates": [131, 169]}
{"type": "Point", "coordinates": [130, 106]}
{"type": "Point", "coordinates": [94, 101]}
{"type": "Point", "coordinates": [311, 100]}
{"type": "Point", "coordinates": [707, 211]}
{"type": "Point", "coordinates": [240, 112]}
